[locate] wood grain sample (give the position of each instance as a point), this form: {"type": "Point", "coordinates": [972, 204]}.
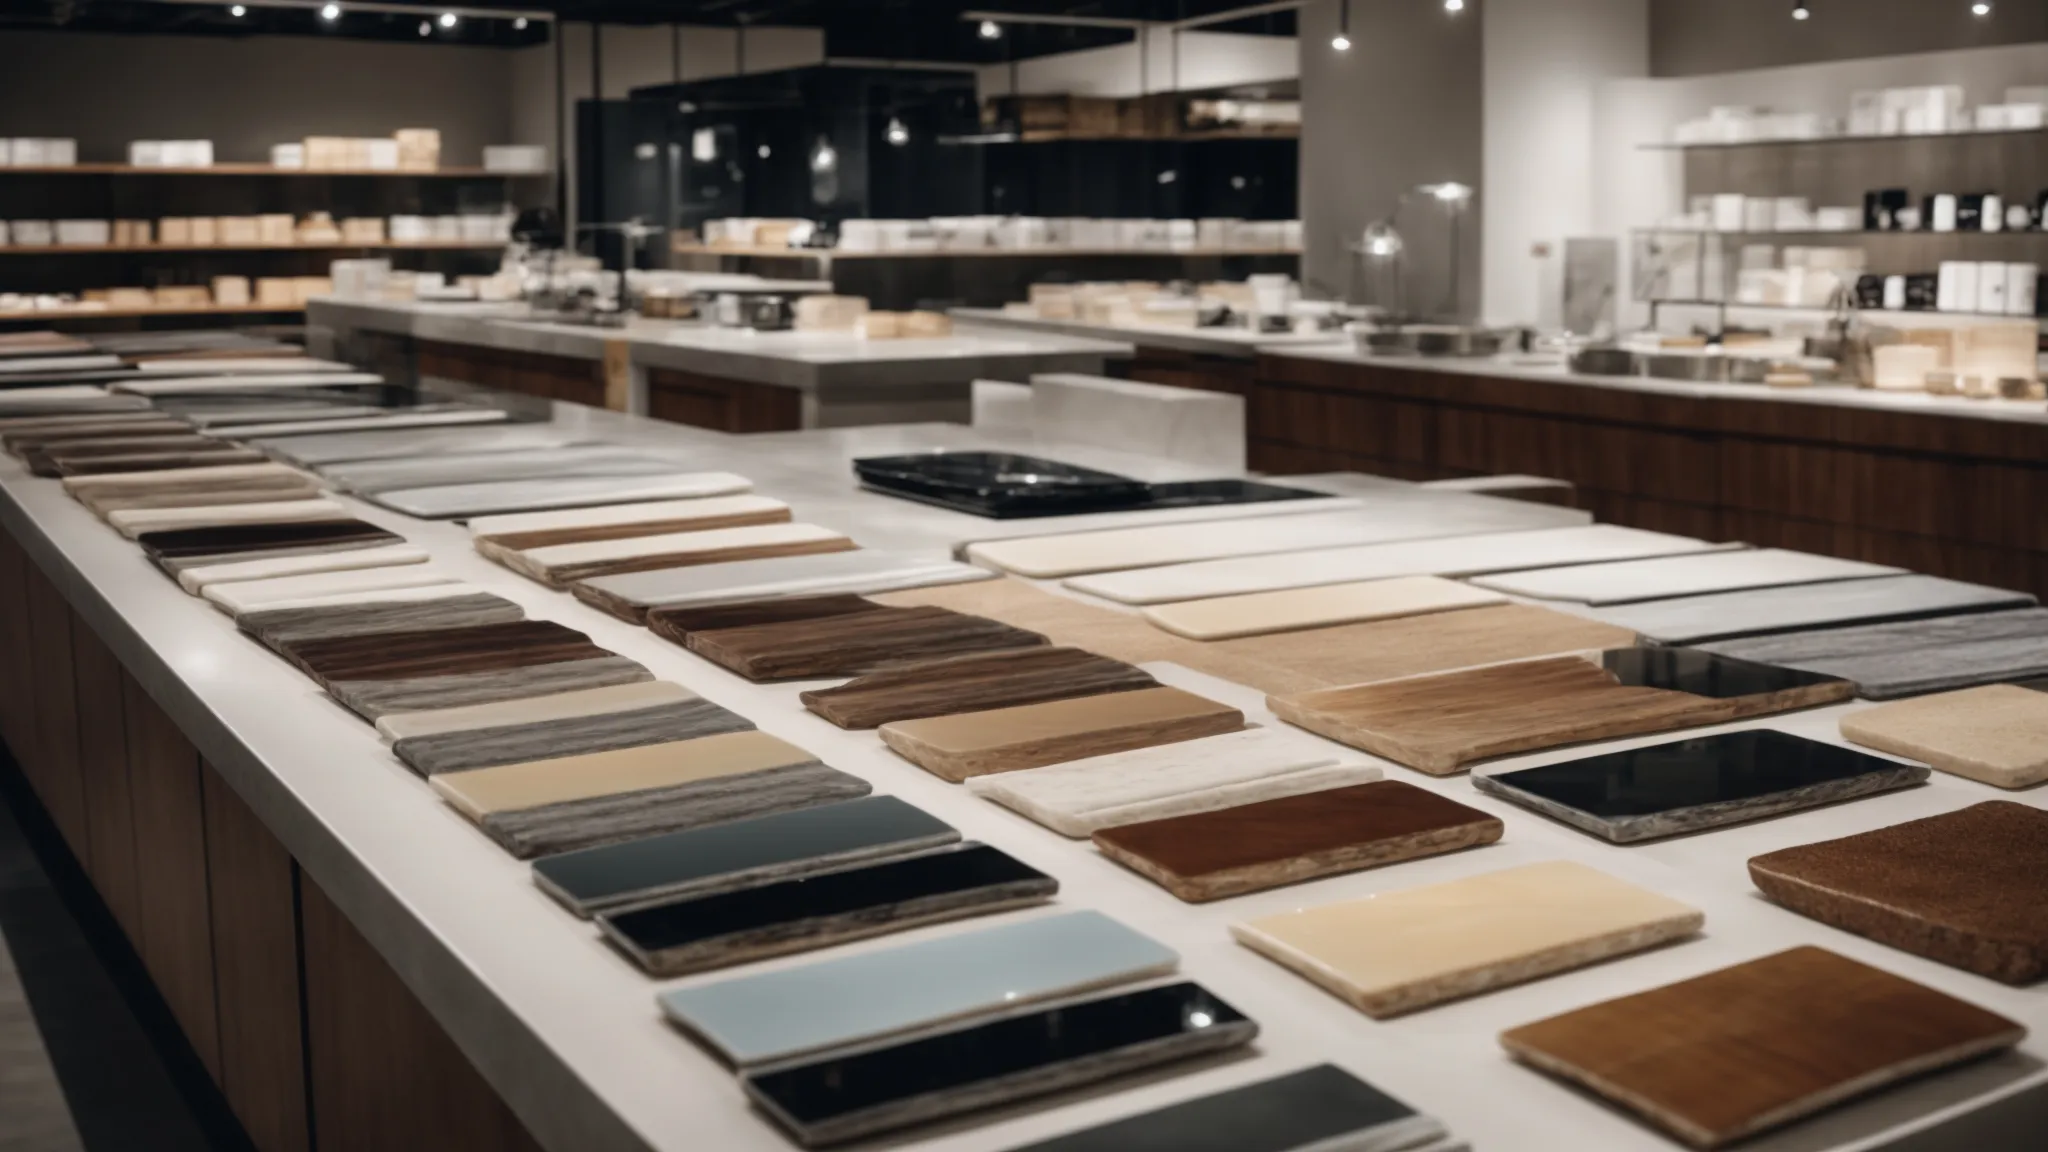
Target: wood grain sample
{"type": "Point", "coordinates": [234, 570]}
{"type": "Point", "coordinates": [167, 460]}
{"type": "Point", "coordinates": [1033, 735]}
{"type": "Point", "coordinates": [1967, 888]}
{"type": "Point", "coordinates": [226, 476]}
{"type": "Point", "coordinates": [676, 624]}
{"type": "Point", "coordinates": [1995, 734]}
{"type": "Point", "coordinates": [279, 626]}
{"type": "Point", "coordinates": [1398, 952]}
{"type": "Point", "coordinates": [372, 699]}
{"type": "Point", "coordinates": [559, 565]}
{"type": "Point", "coordinates": [1440, 723]}
{"type": "Point", "coordinates": [620, 521]}
{"type": "Point", "coordinates": [851, 644]}
{"type": "Point", "coordinates": [1742, 1050]}
{"type": "Point", "coordinates": [1273, 843]}
{"type": "Point", "coordinates": [1888, 661]}
{"type": "Point", "coordinates": [122, 510]}
{"type": "Point", "coordinates": [561, 706]}
{"type": "Point", "coordinates": [451, 652]}
{"type": "Point", "coordinates": [1296, 609]}
{"type": "Point", "coordinates": [578, 736]}
{"type": "Point", "coordinates": [974, 683]}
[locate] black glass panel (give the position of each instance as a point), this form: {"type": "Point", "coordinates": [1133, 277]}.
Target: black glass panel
{"type": "Point", "coordinates": [1703, 673]}
{"type": "Point", "coordinates": [1732, 766]}
{"type": "Point", "coordinates": [1001, 485]}
{"type": "Point", "coordinates": [1312, 1108]}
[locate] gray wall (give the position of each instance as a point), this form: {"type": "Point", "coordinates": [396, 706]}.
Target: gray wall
{"type": "Point", "coordinates": [1699, 37]}
{"type": "Point", "coordinates": [1403, 107]}
{"type": "Point", "coordinates": [246, 95]}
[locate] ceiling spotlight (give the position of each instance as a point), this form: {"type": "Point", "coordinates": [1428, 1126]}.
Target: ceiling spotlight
{"type": "Point", "coordinates": [990, 30]}
{"type": "Point", "coordinates": [899, 133]}
{"type": "Point", "coordinates": [519, 25]}
{"type": "Point", "coordinates": [1981, 9]}
{"type": "Point", "coordinates": [237, 11]}
{"type": "Point", "coordinates": [764, 151]}
{"type": "Point", "coordinates": [330, 12]}
{"type": "Point", "coordinates": [1454, 5]}
{"type": "Point", "coordinates": [1801, 12]}
{"type": "Point", "coordinates": [426, 29]}
{"type": "Point", "coordinates": [1342, 40]}
{"type": "Point", "coordinates": [448, 19]}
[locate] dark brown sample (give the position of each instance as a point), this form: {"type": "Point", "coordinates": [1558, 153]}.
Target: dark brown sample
{"type": "Point", "coordinates": [852, 644]}
{"type": "Point", "coordinates": [1967, 888]}
{"type": "Point", "coordinates": [974, 683]}
{"type": "Point", "coordinates": [495, 546]}
{"type": "Point", "coordinates": [230, 539]}
{"type": "Point", "coordinates": [1723, 1056]}
{"type": "Point", "coordinates": [25, 440]}
{"type": "Point", "coordinates": [448, 652]}
{"type": "Point", "coordinates": [152, 462]}
{"type": "Point", "coordinates": [678, 623]}
{"type": "Point", "coordinates": [1252, 847]}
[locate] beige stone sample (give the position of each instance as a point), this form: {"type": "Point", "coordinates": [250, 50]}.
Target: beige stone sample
{"type": "Point", "coordinates": [1996, 734]}
{"type": "Point", "coordinates": [512, 787]}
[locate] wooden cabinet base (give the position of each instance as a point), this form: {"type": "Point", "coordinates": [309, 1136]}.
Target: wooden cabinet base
{"type": "Point", "coordinates": [722, 404]}
{"type": "Point", "coordinates": [528, 373]}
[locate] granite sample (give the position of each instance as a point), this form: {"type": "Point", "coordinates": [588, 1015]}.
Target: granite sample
{"type": "Point", "coordinates": [516, 744]}
{"type": "Point", "coordinates": [277, 627]}
{"type": "Point", "coordinates": [1272, 843]}
{"type": "Point", "coordinates": [450, 652]}
{"type": "Point", "coordinates": [698, 933]}
{"type": "Point", "coordinates": [1888, 661]}
{"type": "Point", "coordinates": [259, 595]}
{"type": "Point", "coordinates": [372, 699]}
{"type": "Point", "coordinates": [197, 580]}
{"type": "Point", "coordinates": [1661, 579]}
{"type": "Point", "coordinates": [559, 565]}
{"type": "Point", "coordinates": [369, 477]}
{"type": "Point", "coordinates": [1440, 723]}
{"type": "Point", "coordinates": [496, 534]}
{"type": "Point", "coordinates": [384, 444]}
{"type": "Point", "coordinates": [1759, 612]}
{"type": "Point", "coordinates": [294, 507]}
{"type": "Point", "coordinates": [832, 1004]}
{"type": "Point", "coordinates": [1319, 1109]}
{"type": "Point", "coordinates": [1967, 888]}
{"type": "Point", "coordinates": [973, 683]}
{"type": "Point", "coordinates": [235, 539]}
{"type": "Point", "coordinates": [1033, 735]}
{"type": "Point", "coordinates": [629, 597]}
{"type": "Point", "coordinates": [849, 644]}
{"type": "Point", "coordinates": [1018, 1056]}
{"type": "Point", "coordinates": [1402, 951]}
{"type": "Point", "coordinates": [1082, 796]}
{"type": "Point", "coordinates": [1295, 609]}
{"type": "Point", "coordinates": [1757, 1046]}
{"type": "Point", "coordinates": [1692, 785]}
{"type": "Point", "coordinates": [1996, 734]}
{"type": "Point", "coordinates": [534, 710]}
{"type": "Point", "coordinates": [739, 854]}
{"type": "Point", "coordinates": [460, 501]}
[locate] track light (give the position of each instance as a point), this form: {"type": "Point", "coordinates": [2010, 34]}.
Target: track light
{"type": "Point", "coordinates": [898, 133]}
{"type": "Point", "coordinates": [1801, 12]}
{"type": "Point", "coordinates": [1342, 40]}
{"type": "Point", "coordinates": [1981, 9]}
{"type": "Point", "coordinates": [448, 19]}
{"type": "Point", "coordinates": [330, 12]}
{"type": "Point", "coordinates": [1454, 6]}
{"type": "Point", "coordinates": [519, 25]}
{"type": "Point", "coordinates": [426, 29]}
{"type": "Point", "coordinates": [237, 11]}
{"type": "Point", "coordinates": [990, 30]}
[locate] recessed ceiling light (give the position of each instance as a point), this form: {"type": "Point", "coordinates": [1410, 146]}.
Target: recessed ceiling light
{"type": "Point", "coordinates": [1801, 12]}
{"type": "Point", "coordinates": [899, 132]}
{"type": "Point", "coordinates": [237, 11]}
{"type": "Point", "coordinates": [1341, 42]}
{"type": "Point", "coordinates": [990, 30]}
{"type": "Point", "coordinates": [519, 25]}
{"type": "Point", "coordinates": [1981, 9]}
{"type": "Point", "coordinates": [426, 29]}
{"type": "Point", "coordinates": [448, 19]}
{"type": "Point", "coordinates": [330, 12]}
{"type": "Point", "coordinates": [1454, 5]}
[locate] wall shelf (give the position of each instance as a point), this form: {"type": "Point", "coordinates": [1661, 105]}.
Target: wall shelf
{"type": "Point", "coordinates": [88, 249]}
{"type": "Point", "coordinates": [250, 169]}
{"type": "Point", "coordinates": [1858, 234]}
{"type": "Point", "coordinates": [54, 314]}
{"type": "Point", "coordinates": [1984, 134]}
{"type": "Point", "coordinates": [966, 253]}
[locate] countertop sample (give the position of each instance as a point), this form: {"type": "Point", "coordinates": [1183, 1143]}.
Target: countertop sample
{"type": "Point", "coordinates": [1236, 343]}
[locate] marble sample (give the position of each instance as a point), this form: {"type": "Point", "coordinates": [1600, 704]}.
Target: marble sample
{"type": "Point", "coordinates": [1628, 581]}
{"type": "Point", "coordinates": [257, 595]}
{"type": "Point", "coordinates": [1402, 951]}
{"type": "Point", "coordinates": [1449, 556]}
{"type": "Point", "coordinates": [1758, 612]}
{"type": "Point", "coordinates": [559, 565]}
{"type": "Point", "coordinates": [828, 1005]}
{"type": "Point", "coordinates": [1756, 1046]}
{"type": "Point", "coordinates": [1081, 796]}
{"type": "Point", "coordinates": [450, 652]}
{"type": "Point", "coordinates": [460, 501]}
{"type": "Point", "coordinates": [522, 743]}
{"type": "Point", "coordinates": [236, 539]}
{"type": "Point", "coordinates": [1441, 723]}
{"type": "Point", "coordinates": [1967, 888]}
{"type": "Point", "coordinates": [320, 449]}
{"type": "Point", "coordinates": [989, 1062]}
{"type": "Point", "coordinates": [850, 644]}
{"type": "Point", "coordinates": [79, 362]}
{"type": "Point", "coordinates": [377, 597]}
{"type": "Point", "coordinates": [439, 469]}
{"type": "Point", "coordinates": [134, 522]}
{"type": "Point", "coordinates": [278, 627]}
{"type": "Point", "coordinates": [1295, 609]}
{"type": "Point", "coordinates": [631, 596]}
{"type": "Point", "coordinates": [495, 534]}
{"type": "Point", "coordinates": [208, 499]}
{"type": "Point", "coordinates": [1319, 1109]}
{"type": "Point", "coordinates": [516, 785]}
{"type": "Point", "coordinates": [973, 683]}
{"type": "Point", "coordinates": [372, 699]}
{"type": "Point", "coordinates": [198, 580]}
{"type": "Point", "coordinates": [739, 854]}
{"type": "Point", "coordinates": [1888, 661]}
{"type": "Point", "coordinates": [1692, 785]}
{"type": "Point", "coordinates": [1272, 843]}
{"type": "Point", "coordinates": [537, 710]}
{"type": "Point", "coordinates": [1034, 735]}
{"type": "Point", "coordinates": [698, 933]}
{"type": "Point", "coordinates": [1995, 734]}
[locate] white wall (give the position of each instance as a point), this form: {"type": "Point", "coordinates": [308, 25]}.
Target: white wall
{"type": "Point", "coordinates": [1188, 62]}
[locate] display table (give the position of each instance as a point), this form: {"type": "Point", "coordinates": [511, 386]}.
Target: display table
{"type": "Point", "coordinates": [1214, 359]}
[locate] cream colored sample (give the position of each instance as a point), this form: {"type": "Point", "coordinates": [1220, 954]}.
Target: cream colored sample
{"type": "Point", "coordinates": [1401, 951]}
{"type": "Point", "coordinates": [646, 512]}
{"type": "Point", "coordinates": [534, 710]}
{"type": "Point", "coordinates": [1996, 734]}
{"type": "Point", "coordinates": [257, 595]}
{"type": "Point", "coordinates": [423, 594]}
{"type": "Point", "coordinates": [134, 522]}
{"type": "Point", "coordinates": [1297, 608]}
{"type": "Point", "coordinates": [513, 787]}
{"type": "Point", "coordinates": [197, 580]}
{"type": "Point", "coordinates": [174, 477]}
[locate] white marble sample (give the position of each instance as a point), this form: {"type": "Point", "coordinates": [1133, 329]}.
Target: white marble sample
{"type": "Point", "coordinates": [370, 476]}
{"type": "Point", "coordinates": [1761, 611]}
{"type": "Point", "coordinates": [622, 515]}
{"type": "Point", "coordinates": [1661, 579]}
{"type": "Point", "coordinates": [1294, 609]}
{"type": "Point", "coordinates": [856, 572]}
{"type": "Point", "coordinates": [1185, 425]}
{"type": "Point", "coordinates": [400, 418]}
{"type": "Point", "coordinates": [459, 501]}
{"type": "Point", "coordinates": [133, 522]}
{"type": "Point", "coordinates": [254, 595]}
{"type": "Point", "coordinates": [198, 580]}
{"type": "Point", "coordinates": [421, 594]}
{"type": "Point", "coordinates": [409, 443]}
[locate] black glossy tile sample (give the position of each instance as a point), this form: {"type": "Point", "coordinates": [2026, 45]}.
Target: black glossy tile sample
{"type": "Point", "coordinates": [1002, 485]}
{"type": "Point", "coordinates": [695, 933]}
{"type": "Point", "coordinates": [1703, 673]}
{"type": "Point", "coordinates": [1315, 1108]}
{"type": "Point", "coordinates": [232, 538]}
{"type": "Point", "coordinates": [997, 1062]}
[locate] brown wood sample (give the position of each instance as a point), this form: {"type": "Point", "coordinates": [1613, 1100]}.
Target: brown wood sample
{"type": "Point", "coordinates": [677, 623]}
{"type": "Point", "coordinates": [1723, 1056]}
{"type": "Point", "coordinates": [1272, 843]}
{"type": "Point", "coordinates": [974, 683]}
{"type": "Point", "coordinates": [1967, 888]}
{"type": "Point", "coordinates": [1034, 735]}
{"type": "Point", "coordinates": [681, 520]}
{"type": "Point", "coordinates": [854, 643]}
{"type": "Point", "coordinates": [444, 652]}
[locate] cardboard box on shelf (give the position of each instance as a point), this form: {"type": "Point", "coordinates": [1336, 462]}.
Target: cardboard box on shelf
{"type": "Point", "coordinates": [205, 230]}
{"type": "Point", "coordinates": [182, 296]}
{"type": "Point", "coordinates": [318, 228]}
{"type": "Point", "coordinates": [380, 155]}
{"type": "Point", "coordinates": [419, 149]}
{"type": "Point", "coordinates": [237, 230]}
{"type": "Point", "coordinates": [362, 230]}
{"type": "Point", "coordinates": [277, 292]}
{"type": "Point", "coordinates": [881, 326]}
{"type": "Point", "coordinates": [926, 325]}
{"type": "Point", "coordinates": [304, 288]}
{"type": "Point", "coordinates": [287, 155]}
{"type": "Point", "coordinates": [130, 298]}
{"type": "Point", "coordinates": [231, 291]}
{"type": "Point", "coordinates": [276, 228]}
{"type": "Point", "coordinates": [174, 230]}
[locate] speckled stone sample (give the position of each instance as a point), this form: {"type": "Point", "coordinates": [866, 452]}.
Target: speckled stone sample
{"type": "Point", "coordinates": [282, 626]}
{"type": "Point", "coordinates": [1888, 661]}
{"type": "Point", "coordinates": [1996, 734]}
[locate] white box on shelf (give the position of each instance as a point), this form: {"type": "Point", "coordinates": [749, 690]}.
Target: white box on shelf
{"type": "Point", "coordinates": [409, 230]}
{"type": "Point", "coordinates": [1991, 288]}
{"type": "Point", "coordinates": [2022, 285]}
{"type": "Point", "coordinates": [380, 155]}
{"type": "Point", "coordinates": [1729, 212]}
{"type": "Point", "coordinates": [84, 233]}
{"type": "Point", "coordinates": [515, 158]}
{"type": "Point", "coordinates": [360, 279]}
{"type": "Point", "coordinates": [288, 156]}
{"type": "Point", "coordinates": [446, 228]}
{"type": "Point", "coordinates": [34, 233]}
{"type": "Point", "coordinates": [28, 152]}
{"type": "Point", "coordinates": [59, 152]}
{"type": "Point", "coordinates": [146, 153]}
{"type": "Point", "coordinates": [1956, 290]}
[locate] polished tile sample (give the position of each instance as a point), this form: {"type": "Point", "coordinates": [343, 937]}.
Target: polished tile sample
{"type": "Point", "coordinates": [974, 683]}
{"type": "Point", "coordinates": [456, 501]}
{"type": "Point", "coordinates": [1319, 1109]}
{"type": "Point", "coordinates": [1692, 785]}
{"type": "Point", "coordinates": [370, 477]}
{"type": "Point", "coordinates": [1762, 611]}
{"type": "Point", "coordinates": [561, 564]}
{"type": "Point", "coordinates": [452, 652]}
{"type": "Point", "coordinates": [233, 539]}
{"type": "Point", "coordinates": [699, 933]}
{"type": "Point", "coordinates": [371, 699]}
{"type": "Point", "coordinates": [1888, 661]}
{"type": "Point", "coordinates": [256, 595]}
{"type": "Point", "coordinates": [277, 627]}
{"type": "Point", "coordinates": [198, 580]}
{"type": "Point", "coordinates": [137, 521]}
{"type": "Point", "coordinates": [1034, 735]}
{"type": "Point", "coordinates": [1441, 723]}
{"type": "Point", "coordinates": [1272, 843]}
{"type": "Point", "coordinates": [1292, 610]}
{"type": "Point", "coordinates": [1662, 579]}
{"type": "Point", "coordinates": [1450, 556]}
{"type": "Point", "coordinates": [516, 744]}
{"type": "Point", "coordinates": [1401, 951]}
{"type": "Point", "coordinates": [740, 854]}
{"type": "Point", "coordinates": [832, 1004]}
{"type": "Point", "coordinates": [1015, 1057]}
{"type": "Point", "coordinates": [1742, 1050]}
{"type": "Point", "coordinates": [1996, 734]}
{"type": "Point", "coordinates": [518, 785]}
{"type": "Point", "coordinates": [333, 447]}
{"type": "Point", "coordinates": [535, 710]}
{"type": "Point", "coordinates": [1079, 797]}
{"type": "Point", "coordinates": [678, 623]}
{"type": "Point", "coordinates": [622, 521]}
{"type": "Point", "coordinates": [630, 596]}
{"type": "Point", "coordinates": [849, 644]}
{"type": "Point", "coordinates": [1967, 888]}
